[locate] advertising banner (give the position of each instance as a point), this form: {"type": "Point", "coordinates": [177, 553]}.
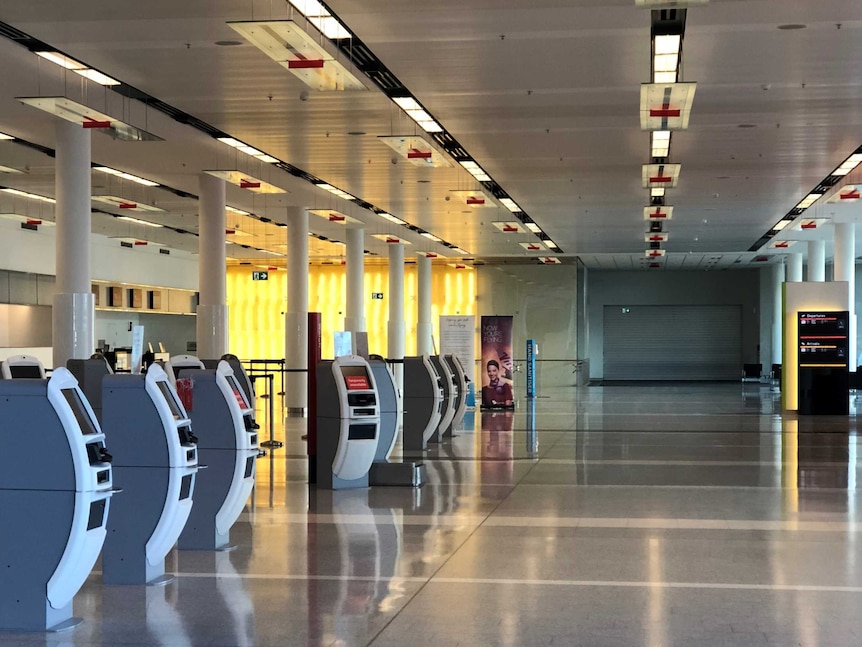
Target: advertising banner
{"type": "Point", "coordinates": [496, 335]}
{"type": "Point", "coordinates": [457, 337]}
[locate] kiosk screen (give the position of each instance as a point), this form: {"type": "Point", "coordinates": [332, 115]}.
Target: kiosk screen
{"type": "Point", "coordinates": [356, 378]}
{"type": "Point", "coordinates": [77, 405]}
{"type": "Point", "coordinates": [172, 403]}
{"type": "Point", "coordinates": [25, 371]}
{"type": "Point", "coordinates": [237, 392]}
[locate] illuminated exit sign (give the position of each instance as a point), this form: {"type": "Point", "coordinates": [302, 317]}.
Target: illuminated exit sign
{"type": "Point", "coordinates": [260, 276]}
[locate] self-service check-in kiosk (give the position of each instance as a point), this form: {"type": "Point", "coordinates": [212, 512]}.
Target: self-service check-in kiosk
{"type": "Point", "coordinates": [460, 376]}
{"type": "Point", "coordinates": [241, 376]}
{"type": "Point", "coordinates": [383, 470]}
{"type": "Point", "coordinates": [228, 447]}
{"type": "Point", "coordinates": [348, 422]}
{"type": "Point", "coordinates": [155, 461]}
{"type": "Point", "coordinates": [423, 402]}
{"type": "Point", "coordinates": [449, 397]}
{"type": "Point", "coordinates": [90, 373]}
{"type": "Point", "coordinates": [53, 511]}
{"type": "Point", "coordinates": [22, 366]}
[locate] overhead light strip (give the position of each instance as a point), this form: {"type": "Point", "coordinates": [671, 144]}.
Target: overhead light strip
{"type": "Point", "coordinates": [77, 67]}
{"type": "Point", "coordinates": [126, 176]}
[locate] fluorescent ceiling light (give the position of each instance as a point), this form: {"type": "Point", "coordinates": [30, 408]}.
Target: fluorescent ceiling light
{"type": "Point", "coordinates": [246, 181]}
{"type": "Point", "coordinates": [475, 170]}
{"type": "Point", "coordinates": [391, 218]}
{"type": "Point", "coordinates": [230, 141]}
{"type": "Point", "coordinates": [267, 159]}
{"type": "Point", "coordinates": [285, 42]}
{"type": "Point", "coordinates": [335, 217]}
{"type": "Point", "coordinates": [389, 238]}
{"type": "Point", "coordinates": [138, 221]}
{"type": "Point", "coordinates": [29, 196]}
{"type": "Point", "coordinates": [334, 191]}
{"type": "Point", "coordinates": [430, 236]}
{"type": "Point", "coordinates": [248, 150]}
{"type": "Point", "coordinates": [329, 27]}
{"type": "Point", "coordinates": [510, 205]}
{"type": "Point", "coordinates": [416, 150]}
{"type": "Point", "coordinates": [124, 203]}
{"type": "Point", "coordinates": [458, 250]}
{"type": "Point", "coordinates": [656, 192]}
{"type": "Point", "coordinates": [407, 103]}
{"type": "Point", "coordinates": [660, 146]}
{"type": "Point", "coordinates": [98, 77]}
{"type": "Point", "coordinates": [9, 169]}
{"type": "Point", "coordinates": [533, 227]}
{"type": "Point", "coordinates": [126, 176]}
{"type": "Point", "coordinates": [238, 212]}
{"type": "Point", "coordinates": [78, 67]}
{"type": "Point", "coordinates": [660, 175]}
{"type": "Point", "coordinates": [551, 244]}
{"type": "Point", "coordinates": [4, 137]}
{"type": "Point", "coordinates": [658, 213]}
{"type": "Point", "coordinates": [666, 44]}
{"type": "Point", "coordinates": [848, 165]}
{"type": "Point", "coordinates": [808, 200]}
{"type": "Point", "coordinates": [781, 224]}
{"type": "Point", "coordinates": [87, 117]}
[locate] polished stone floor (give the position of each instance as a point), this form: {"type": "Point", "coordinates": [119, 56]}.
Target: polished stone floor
{"type": "Point", "coordinates": [660, 516]}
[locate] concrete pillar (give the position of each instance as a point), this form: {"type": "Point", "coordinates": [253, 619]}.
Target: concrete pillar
{"type": "Point", "coordinates": [816, 261]}
{"type": "Point", "coordinates": [424, 343]}
{"type": "Point", "coordinates": [844, 269]}
{"type": "Point", "coordinates": [395, 348]}
{"type": "Point", "coordinates": [73, 311]}
{"type": "Point", "coordinates": [778, 313]}
{"type": "Point", "coordinates": [296, 318]}
{"type": "Point", "coordinates": [354, 320]}
{"type": "Point", "coordinates": [793, 272]}
{"type": "Point", "coordinates": [212, 319]}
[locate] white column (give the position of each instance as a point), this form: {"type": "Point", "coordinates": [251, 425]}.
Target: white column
{"type": "Point", "coordinates": [778, 313]}
{"type": "Point", "coordinates": [844, 269]}
{"type": "Point", "coordinates": [816, 261]}
{"type": "Point", "coordinates": [296, 318]}
{"type": "Point", "coordinates": [212, 267]}
{"type": "Point", "coordinates": [73, 310]}
{"type": "Point", "coordinates": [424, 345]}
{"type": "Point", "coordinates": [355, 313]}
{"type": "Point", "coordinates": [395, 348]}
{"type": "Point", "coordinates": [794, 268]}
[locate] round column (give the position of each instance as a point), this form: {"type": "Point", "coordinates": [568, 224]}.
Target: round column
{"type": "Point", "coordinates": [778, 311]}
{"type": "Point", "coordinates": [844, 269]}
{"type": "Point", "coordinates": [424, 343]}
{"type": "Point", "coordinates": [296, 318]}
{"type": "Point", "coordinates": [816, 261]}
{"type": "Point", "coordinates": [354, 320]}
{"type": "Point", "coordinates": [395, 349]}
{"type": "Point", "coordinates": [793, 272]}
{"type": "Point", "coordinates": [212, 317]}
{"type": "Point", "coordinates": [73, 305]}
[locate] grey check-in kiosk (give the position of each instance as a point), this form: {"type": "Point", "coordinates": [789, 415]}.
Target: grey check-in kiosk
{"type": "Point", "coordinates": [348, 422]}
{"type": "Point", "coordinates": [241, 376]}
{"type": "Point", "coordinates": [449, 397]}
{"type": "Point", "coordinates": [22, 366]}
{"type": "Point", "coordinates": [90, 373]}
{"type": "Point", "coordinates": [228, 447]}
{"type": "Point", "coordinates": [155, 461]}
{"type": "Point", "coordinates": [53, 507]}
{"type": "Point", "coordinates": [423, 402]}
{"type": "Point", "coordinates": [460, 376]}
{"type": "Point", "coordinates": [383, 470]}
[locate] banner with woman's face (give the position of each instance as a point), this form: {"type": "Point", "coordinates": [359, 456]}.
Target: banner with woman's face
{"type": "Point", "coordinates": [497, 363]}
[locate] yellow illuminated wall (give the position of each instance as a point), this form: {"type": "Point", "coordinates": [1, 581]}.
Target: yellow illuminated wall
{"type": "Point", "coordinates": [256, 308]}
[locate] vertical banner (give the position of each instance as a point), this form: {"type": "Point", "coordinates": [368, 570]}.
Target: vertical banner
{"type": "Point", "coordinates": [457, 337]}
{"type": "Point", "coordinates": [532, 351]}
{"type": "Point", "coordinates": [497, 362]}
{"type": "Point", "coordinates": [137, 349]}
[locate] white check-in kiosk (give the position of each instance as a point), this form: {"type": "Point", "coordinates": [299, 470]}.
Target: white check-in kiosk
{"type": "Point", "coordinates": [423, 402]}
{"type": "Point", "coordinates": [155, 462]}
{"type": "Point", "coordinates": [89, 373]}
{"type": "Point", "coordinates": [22, 367]}
{"type": "Point", "coordinates": [450, 396]}
{"type": "Point", "coordinates": [53, 506]}
{"type": "Point", "coordinates": [348, 422]}
{"type": "Point", "coordinates": [228, 447]}
{"type": "Point", "coordinates": [459, 375]}
{"type": "Point", "coordinates": [384, 470]}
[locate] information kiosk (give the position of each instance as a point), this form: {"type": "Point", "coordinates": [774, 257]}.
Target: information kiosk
{"type": "Point", "coordinates": [461, 380]}
{"type": "Point", "coordinates": [348, 422]}
{"type": "Point", "coordinates": [423, 402]}
{"type": "Point", "coordinates": [22, 366]}
{"type": "Point", "coordinates": [384, 471]}
{"type": "Point", "coordinates": [227, 445]}
{"type": "Point", "coordinates": [53, 512]}
{"type": "Point", "coordinates": [444, 428]}
{"type": "Point", "coordinates": [155, 461]}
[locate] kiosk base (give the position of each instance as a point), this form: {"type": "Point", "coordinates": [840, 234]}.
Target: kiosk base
{"type": "Point", "coordinates": [406, 474]}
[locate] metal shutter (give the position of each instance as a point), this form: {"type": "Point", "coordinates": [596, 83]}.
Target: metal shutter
{"type": "Point", "coordinates": [672, 342]}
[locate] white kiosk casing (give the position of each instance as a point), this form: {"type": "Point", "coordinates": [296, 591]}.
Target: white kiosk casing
{"type": "Point", "coordinates": [461, 378]}
{"type": "Point", "coordinates": [423, 402]}
{"type": "Point", "coordinates": [450, 395]}
{"type": "Point", "coordinates": [21, 367]}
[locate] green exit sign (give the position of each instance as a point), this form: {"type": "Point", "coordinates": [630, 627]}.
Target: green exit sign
{"type": "Point", "coordinates": [260, 276]}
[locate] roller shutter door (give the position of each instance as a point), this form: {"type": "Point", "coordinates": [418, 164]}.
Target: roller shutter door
{"type": "Point", "coordinates": [672, 342]}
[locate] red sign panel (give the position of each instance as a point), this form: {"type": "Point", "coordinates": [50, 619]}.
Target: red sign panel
{"type": "Point", "coordinates": [357, 383]}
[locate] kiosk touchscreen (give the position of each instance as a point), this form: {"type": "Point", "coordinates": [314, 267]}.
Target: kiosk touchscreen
{"type": "Point", "coordinates": [22, 367]}
{"type": "Point", "coordinates": [423, 402]}
{"type": "Point", "coordinates": [155, 465]}
{"type": "Point", "coordinates": [90, 373]}
{"type": "Point", "coordinates": [53, 517]}
{"type": "Point", "coordinates": [228, 446]}
{"type": "Point", "coordinates": [348, 422]}
{"type": "Point", "coordinates": [459, 375]}
{"type": "Point", "coordinates": [385, 471]}
{"type": "Point", "coordinates": [450, 397]}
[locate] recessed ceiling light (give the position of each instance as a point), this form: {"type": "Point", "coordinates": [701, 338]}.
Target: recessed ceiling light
{"type": "Point", "coordinates": [228, 43]}
{"type": "Point", "coordinates": [791, 26]}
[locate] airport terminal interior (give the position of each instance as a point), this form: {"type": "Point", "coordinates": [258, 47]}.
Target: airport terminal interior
{"type": "Point", "coordinates": [475, 322]}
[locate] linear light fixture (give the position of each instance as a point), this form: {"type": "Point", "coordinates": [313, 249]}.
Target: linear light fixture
{"type": "Point", "coordinates": [126, 176]}
{"type": "Point", "coordinates": [657, 192]}
{"type": "Point", "coordinates": [125, 203]}
{"type": "Point", "coordinates": [416, 150]}
{"type": "Point", "coordinates": [5, 137]}
{"type": "Point", "coordinates": [248, 150]}
{"type": "Point", "coordinates": [138, 221]}
{"type": "Point", "coordinates": [246, 181]}
{"type": "Point", "coordinates": [458, 250]}
{"type": "Point", "coordinates": [391, 218]}
{"type": "Point", "coordinates": [848, 165]}
{"type": "Point", "coordinates": [10, 169]}
{"type": "Point", "coordinates": [533, 227]}
{"type": "Point", "coordinates": [660, 143]}
{"type": "Point", "coordinates": [238, 212]}
{"type": "Point", "coordinates": [29, 196]}
{"type": "Point", "coordinates": [510, 204]}
{"type": "Point", "coordinates": [318, 16]}
{"type": "Point", "coordinates": [666, 55]}
{"type": "Point", "coordinates": [418, 114]}
{"type": "Point", "coordinates": [285, 42]}
{"type": "Point", "coordinates": [475, 170]}
{"type": "Point", "coordinates": [781, 224]}
{"type": "Point", "coordinates": [90, 119]}
{"type": "Point", "coordinates": [430, 236]}
{"type": "Point", "coordinates": [808, 200]}
{"type": "Point", "coordinates": [551, 244]}
{"type": "Point", "coordinates": [77, 67]}
{"type": "Point", "coordinates": [335, 191]}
